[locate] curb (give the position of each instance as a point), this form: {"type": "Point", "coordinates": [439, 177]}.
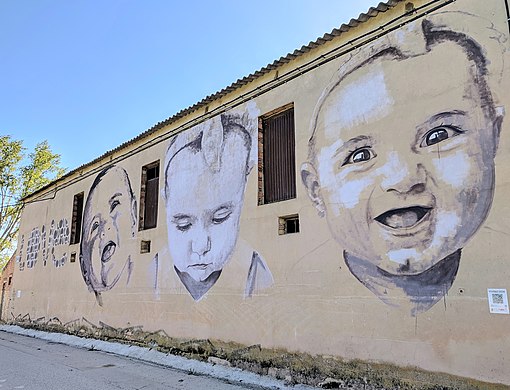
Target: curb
{"type": "Point", "coordinates": [230, 374]}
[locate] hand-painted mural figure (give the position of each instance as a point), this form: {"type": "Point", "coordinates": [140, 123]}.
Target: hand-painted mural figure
{"type": "Point", "coordinates": [405, 176]}
{"type": "Point", "coordinates": [109, 222]}
{"type": "Point", "coordinates": [206, 169]}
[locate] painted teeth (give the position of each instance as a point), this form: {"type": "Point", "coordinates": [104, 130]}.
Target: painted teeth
{"type": "Point", "coordinates": [402, 218]}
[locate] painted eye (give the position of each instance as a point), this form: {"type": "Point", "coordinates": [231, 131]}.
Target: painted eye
{"type": "Point", "coordinates": [183, 224]}
{"type": "Point", "coordinates": [439, 134]}
{"type": "Point", "coordinates": [95, 225]}
{"type": "Point", "coordinates": [114, 205]}
{"type": "Point", "coordinates": [221, 216]}
{"type": "Point", "coordinates": [183, 227]}
{"type": "Point", "coordinates": [360, 155]}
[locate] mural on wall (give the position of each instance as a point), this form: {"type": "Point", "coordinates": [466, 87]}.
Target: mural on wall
{"type": "Point", "coordinates": [58, 236]}
{"type": "Point", "coordinates": [109, 222]}
{"type": "Point", "coordinates": [19, 256]}
{"type": "Point", "coordinates": [33, 246]}
{"type": "Point", "coordinates": [44, 251]}
{"type": "Point", "coordinates": [401, 157]}
{"type": "Point", "coordinates": [206, 170]}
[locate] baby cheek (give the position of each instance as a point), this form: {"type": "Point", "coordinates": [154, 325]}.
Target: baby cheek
{"type": "Point", "coordinates": [178, 242]}
{"type": "Point", "coordinates": [341, 191]}
{"type": "Point", "coordinates": [350, 193]}
{"type": "Point", "coordinates": [222, 242]}
{"type": "Point", "coordinates": [346, 194]}
{"type": "Point", "coordinates": [453, 170]}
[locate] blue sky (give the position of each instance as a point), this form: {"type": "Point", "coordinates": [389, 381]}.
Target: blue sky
{"type": "Point", "coordinates": [88, 75]}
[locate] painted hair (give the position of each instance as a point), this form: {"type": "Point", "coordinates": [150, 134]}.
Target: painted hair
{"type": "Point", "coordinates": [209, 139]}
{"type": "Point", "coordinates": [418, 39]}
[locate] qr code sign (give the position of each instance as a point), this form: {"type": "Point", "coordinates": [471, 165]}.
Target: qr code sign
{"type": "Point", "coordinates": [498, 300]}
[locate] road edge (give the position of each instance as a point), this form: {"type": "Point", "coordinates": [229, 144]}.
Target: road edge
{"type": "Point", "coordinates": [149, 355]}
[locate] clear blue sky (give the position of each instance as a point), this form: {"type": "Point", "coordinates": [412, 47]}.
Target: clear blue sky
{"type": "Point", "coordinates": [88, 75]}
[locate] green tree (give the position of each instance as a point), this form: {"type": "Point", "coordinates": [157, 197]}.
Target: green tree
{"type": "Point", "coordinates": [20, 175]}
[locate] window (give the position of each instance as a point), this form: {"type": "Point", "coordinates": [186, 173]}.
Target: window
{"type": "Point", "coordinates": [77, 218]}
{"type": "Point", "coordinates": [149, 197]}
{"type": "Point", "coordinates": [10, 280]}
{"type": "Point", "coordinates": [145, 246]}
{"type": "Point", "coordinates": [277, 165]}
{"type": "Point", "coordinates": [289, 224]}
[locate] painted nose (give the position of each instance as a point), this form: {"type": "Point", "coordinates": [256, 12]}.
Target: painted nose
{"type": "Point", "coordinates": [105, 227]}
{"type": "Point", "coordinates": [201, 243]}
{"type": "Point", "coordinates": [406, 179]}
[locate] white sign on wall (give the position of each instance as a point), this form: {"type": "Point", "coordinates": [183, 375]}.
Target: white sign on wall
{"type": "Point", "coordinates": [498, 300]}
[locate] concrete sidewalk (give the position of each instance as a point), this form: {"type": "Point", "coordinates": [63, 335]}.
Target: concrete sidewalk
{"type": "Point", "coordinates": [233, 375]}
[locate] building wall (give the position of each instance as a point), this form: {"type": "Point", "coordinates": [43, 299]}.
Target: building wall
{"type": "Point", "coordinates": [6, 283]}
{"type": "Point", "coordinates": [401, 197]}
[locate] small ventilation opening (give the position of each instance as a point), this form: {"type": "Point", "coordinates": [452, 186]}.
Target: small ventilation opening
{"type": "Point", "coordinates": [145, 246]}
{"type": "Point", "coordinates": [288, 224]}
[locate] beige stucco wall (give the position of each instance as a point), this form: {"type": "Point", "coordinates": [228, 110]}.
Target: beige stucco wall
{"type": "Point", "coordinates": [315, 304]}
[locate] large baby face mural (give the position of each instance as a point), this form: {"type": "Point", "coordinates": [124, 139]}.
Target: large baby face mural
{"type": "Point", "coordinates": [206, 170]}
{"type": "Point", "coordinates": [403, 171]}
{"type": "Point", "coordinates": [109, 222]}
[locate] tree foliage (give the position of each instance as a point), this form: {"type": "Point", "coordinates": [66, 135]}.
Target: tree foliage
{"type": "Point", "coordinates": [21, 175]}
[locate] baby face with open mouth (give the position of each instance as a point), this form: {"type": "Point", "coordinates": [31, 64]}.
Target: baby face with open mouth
{"type": "Point", "coordinates": [109, 222]}
{"type": "Point", "coordinates": [404, 170]}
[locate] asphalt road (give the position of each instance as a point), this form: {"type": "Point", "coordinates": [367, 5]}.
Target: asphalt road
{"type": "Point", "coordinates": [34, 364]}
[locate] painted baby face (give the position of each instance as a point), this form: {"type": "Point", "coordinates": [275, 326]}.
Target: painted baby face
{"type": "Point", "coordinates": [108, 225]}
{"type": "Point", "coordinates": [203, 208]}
{"type": "Point", "coordinates": [405, 166]}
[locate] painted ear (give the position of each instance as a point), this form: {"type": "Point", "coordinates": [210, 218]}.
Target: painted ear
{"type": "Point", "coordinates": [134, 212]}
{"type": "Point", "coordinates": [311, 181]}
{"type": "Point", "coordinates": [249, 167]}
{"type": "Point", "coordinates": [500, 114]}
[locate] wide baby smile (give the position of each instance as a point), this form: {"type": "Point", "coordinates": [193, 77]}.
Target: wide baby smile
{"type": "Point", "coordinates": [403, 218]}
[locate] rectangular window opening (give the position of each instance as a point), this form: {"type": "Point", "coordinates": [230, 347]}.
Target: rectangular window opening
{"type": "Point", "coordinates": [288, 224]}
{"type": "Point", "coordinates": [149, 190]}
{"type": "Point", "coordinates": [277, 165]}
{"type": "Point", "coordinates": [73, 257]}
{"type": "Point", "coordinates": [77, 218]}
{"type": "Point", "coordinates": [145, 246]}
